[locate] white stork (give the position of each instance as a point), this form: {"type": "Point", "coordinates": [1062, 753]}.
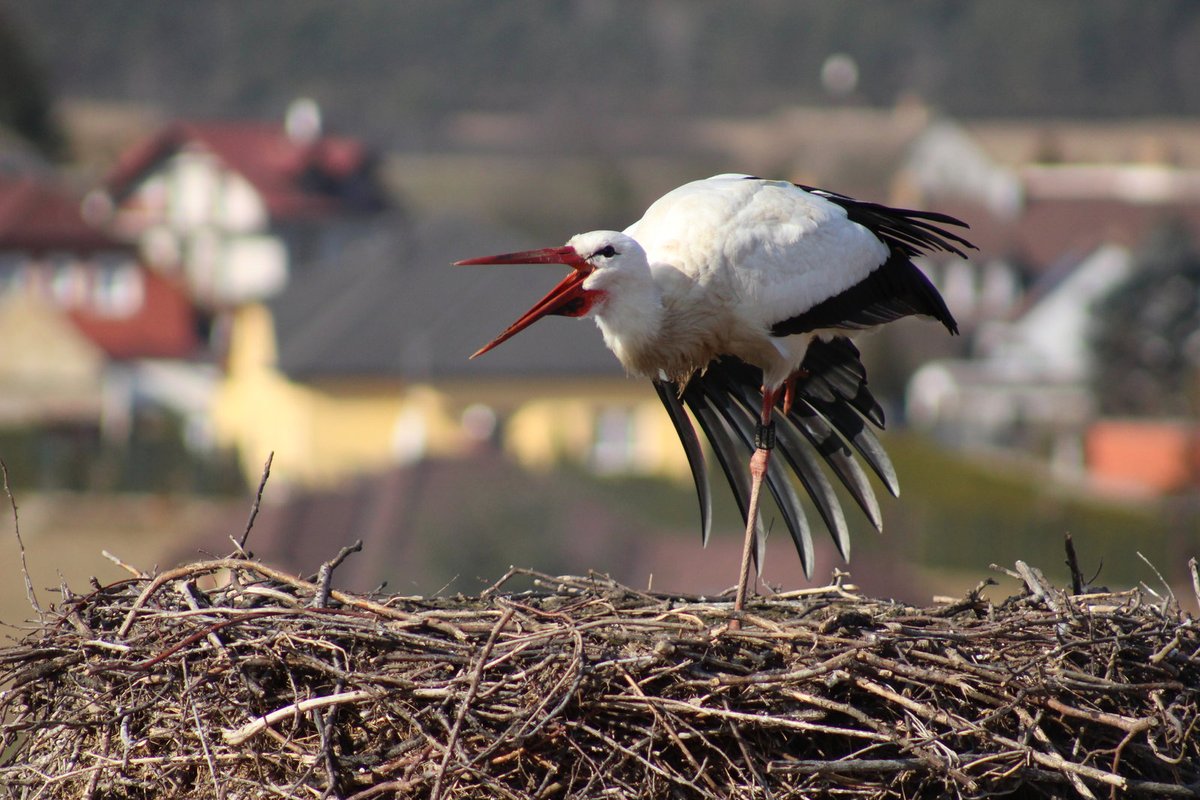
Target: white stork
{"type": "Point", "coordinates": [734, 295]}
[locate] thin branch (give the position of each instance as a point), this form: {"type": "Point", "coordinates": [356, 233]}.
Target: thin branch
{"type": "Point", "coordinates": [12, 501]}
{"type": "Point", "coordinates": [262, 484]}
{"type": "Point", "coordinates": [1195, 572]}
{"type": "Point", "coordinates": [132, 570]}
{"type": "Point", "coordinates": [325, 575]}
{"type": "Point", "coordinates": [1073, 564]}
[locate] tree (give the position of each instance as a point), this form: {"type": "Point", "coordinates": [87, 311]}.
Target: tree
{"type": "Point", "coordinates": [25, 102]}
{"type": "Point", "coordinates": [1147, 337]}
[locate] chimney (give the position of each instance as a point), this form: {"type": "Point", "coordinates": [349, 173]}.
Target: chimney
{"type": "Point", "coordinates": [303, 121]}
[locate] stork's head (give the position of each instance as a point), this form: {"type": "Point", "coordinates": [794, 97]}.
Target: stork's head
{"type": "Point", "coordinates": [604, 263]}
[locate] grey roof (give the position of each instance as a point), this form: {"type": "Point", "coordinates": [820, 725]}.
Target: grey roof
{"type": "Point", "coordinates": [391, 305]}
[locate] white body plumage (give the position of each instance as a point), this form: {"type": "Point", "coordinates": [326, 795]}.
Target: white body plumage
{"type": "Point", "coordinates": [713, 265]}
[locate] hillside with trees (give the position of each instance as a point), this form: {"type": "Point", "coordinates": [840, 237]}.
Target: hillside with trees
{"type": "Point", "coordinates": [387, 68]}
{"type": "Point", "coordinates": [1147, 338]}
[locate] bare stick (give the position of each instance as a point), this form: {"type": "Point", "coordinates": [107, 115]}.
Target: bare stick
{"type": "Point", "coordinates": [1161, 579]}
{"type": "Point", "coordinates": [326, 573]}
{"type": "Point", "coordinates": [262, 484]}
{"type": "Point", "coordinates": [1195, 570]}
{"type": "Point", "coordinates": [212, 767]}
{"type": "Point", "coordinates": [1036, 583]}
{"type": "Point", "coordinates": [132, 570]}
{"type": "Point", "coordinates": [1073, 564]}
{"type": "Point", "coordinates": [236, 736]}
{"type": "Point", "coordinates": [243, 564]}
{"type": "Point", "coordinates": [12, 501]}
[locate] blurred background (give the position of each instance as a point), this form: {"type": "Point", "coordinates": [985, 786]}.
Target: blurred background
{"type": "Point", "coordinates": [226, 230]}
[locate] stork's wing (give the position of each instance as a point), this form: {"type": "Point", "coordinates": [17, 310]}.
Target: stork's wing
{"type": "Point", "coordinates": [897, 288]}
{"type": "Point", "coordinates": [831, 409]}
{"type": "Point", "coordinates": [795, 259]}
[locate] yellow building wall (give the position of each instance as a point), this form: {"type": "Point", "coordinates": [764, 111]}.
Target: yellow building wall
{"type": "Point", "coordinates": [550, 430]}
{"type": "Point", "coordinates": [48, 370]}
{"type": "Point", "coordinates": [325, 431]}
{"type": "Point", "coordinates": [256, 410]}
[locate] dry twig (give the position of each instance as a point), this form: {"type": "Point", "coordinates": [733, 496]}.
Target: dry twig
{"type": "Point", "coordinates": [240, 544]}
{"type": "Point", "coordinates": [12, 502]}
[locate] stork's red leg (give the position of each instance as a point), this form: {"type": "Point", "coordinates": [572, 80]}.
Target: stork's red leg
{"type": "Point", "coordinates": [764, 442]}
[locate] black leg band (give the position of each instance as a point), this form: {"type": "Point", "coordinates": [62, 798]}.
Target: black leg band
{"type": "Point", "coordinates": [764, 436]}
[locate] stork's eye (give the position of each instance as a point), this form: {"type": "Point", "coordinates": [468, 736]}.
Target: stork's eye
{"type": "Point", "coordinates": [607, 252]}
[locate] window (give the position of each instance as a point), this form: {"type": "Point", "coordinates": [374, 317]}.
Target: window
{"type": "Point", "coordinates": [119, 291]}
{"type": "Point", "coordinates": [613, 447]}
{"type": "Point", "coordinates": [12, 272]}
{"type": "Point", "coordinates": [68, 280]}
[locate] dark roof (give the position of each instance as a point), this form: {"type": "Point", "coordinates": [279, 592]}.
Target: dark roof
{"type": "Point", "coordinates": [1048, 232]}
{"type": "Point", "coordinates": [479, 514]}
{"type": "Point", "coordinates": [297, 179]}
{"type": "Point", "coordinates": [1051, 229]}
{"type": "Point", "coordinates": [448, 525]}
{"type": "Point", "coordinates": [392, 305]}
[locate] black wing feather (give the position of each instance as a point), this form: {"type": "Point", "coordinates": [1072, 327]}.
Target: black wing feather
{"type": "Point", "coordinates": [669, 395]}
{"type": "Point", "coordinates": [912, 231]}
{"type": "Point", "coordinates": [832, 408]}
{"type": "Point", "coordinates": [826, 440]}
{"type": "Point", "coordinates": [727, 453]}
{"type": "Point", "coordinates": [836, 374]}
{"type": "Point", "coordinates": [894, 290]}
{"type": "Point", "coordinates": [802, 461]}
{"type": "Point", "coordinates": [853, 429]}
{"type": "Point", "coordinates": [725, 399]}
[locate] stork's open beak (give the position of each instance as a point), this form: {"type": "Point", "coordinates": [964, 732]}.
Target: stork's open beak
{"type": "Point", "coordinates": [568, 298]}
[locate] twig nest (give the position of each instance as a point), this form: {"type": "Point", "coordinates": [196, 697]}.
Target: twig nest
{"type": "Point", "coordinates": [224, 679]}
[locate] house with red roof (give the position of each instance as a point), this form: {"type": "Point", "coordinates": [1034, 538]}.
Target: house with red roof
{"type": "Point", "coordinates": [50, 253]}
{"type": "Point", "coordinates": [1061, 206]}
{"type": "Point", "coordinates": [81, 317]}
{"type": "Point", "coordinates": [230, 207]}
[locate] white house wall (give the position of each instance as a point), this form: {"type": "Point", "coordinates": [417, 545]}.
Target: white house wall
{"type": "Point", "coordinates": [252, 267]}
{"type": "Point", "coordinates": [197, 214]}
{"type": "Point", "coordinates": [1027, 389]}
{"type": "Point", "coordinates": [239, 207]}
{"type": "Point", "coordinates": [1053, 335]}
{"type": "Point", "coordinates": [946, 161]}
{"type": "Point", "coordinates": [195, 181]}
